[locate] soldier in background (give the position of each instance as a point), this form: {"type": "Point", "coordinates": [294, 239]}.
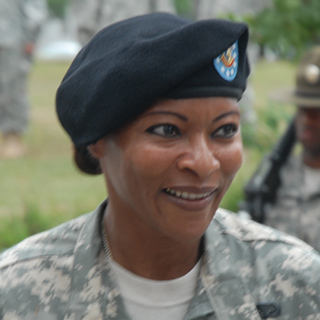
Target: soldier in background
{"type": "Point", "coordinates": [92, 15]}
{"type": "Point", "coordinates": [20, 22]}
{"type": "Point", "coordinates": [297, 207]}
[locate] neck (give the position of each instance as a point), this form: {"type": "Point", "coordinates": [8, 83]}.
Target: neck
{"type": "Point", "coordinates": [147, 255]}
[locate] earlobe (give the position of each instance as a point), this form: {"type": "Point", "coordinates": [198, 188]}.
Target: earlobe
{"type": "Point", "coordinates": [97, 150]}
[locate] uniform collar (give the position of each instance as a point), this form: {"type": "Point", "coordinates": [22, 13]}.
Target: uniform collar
{"type": "Point", "coordinates": [94, 292]}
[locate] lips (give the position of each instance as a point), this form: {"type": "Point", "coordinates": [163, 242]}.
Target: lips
{"type": "Point", "coordinates": [188, 195]}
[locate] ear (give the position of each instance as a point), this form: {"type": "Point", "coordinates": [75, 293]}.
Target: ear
{"type": "Point", "coordinates": [97, 150]}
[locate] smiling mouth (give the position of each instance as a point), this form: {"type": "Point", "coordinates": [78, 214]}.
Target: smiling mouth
{"type": "Point", "coordinates": [187, 195]}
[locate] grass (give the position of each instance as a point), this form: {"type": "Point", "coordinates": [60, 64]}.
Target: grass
{"type": "Point", "coordinates": [44, 188]}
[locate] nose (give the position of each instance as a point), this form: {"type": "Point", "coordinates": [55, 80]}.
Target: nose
{"type": "Point", "coordinates": [307, 118]}
{"type": "Point", "coordinates": [199, 158]}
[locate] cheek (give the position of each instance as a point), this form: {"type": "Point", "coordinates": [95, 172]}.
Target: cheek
{"type": "Point", "coordinates": [231, 159]}
{"type": "Point", "coordinates": [298, 124]}
{"type": "Point", "coordinates": [149, 163]}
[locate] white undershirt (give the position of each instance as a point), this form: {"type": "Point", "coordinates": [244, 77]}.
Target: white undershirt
{"type": "Point", "coordinates": [312, 178]}
{"type": "Point", "coordinates": [147, 299]}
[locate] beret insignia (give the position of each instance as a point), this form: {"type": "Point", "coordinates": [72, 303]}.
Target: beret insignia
{"type": "Point", "coordinates": [227, 63]}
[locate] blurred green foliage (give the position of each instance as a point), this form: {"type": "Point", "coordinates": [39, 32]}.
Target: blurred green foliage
{"type": "Point", "coordinates": [32, 222]}
{"type": "Point", "coordinates": [274, 119]}
{"type": "Point", "coordinates": [289, 28]}
{"type": "Point", "coordinates": [57, 8]}
{"type": "Point", "coordinates": [183, 7]}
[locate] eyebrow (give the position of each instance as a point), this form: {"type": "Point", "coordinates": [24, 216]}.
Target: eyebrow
{"type": "Point", "coordinates": [183, 118]}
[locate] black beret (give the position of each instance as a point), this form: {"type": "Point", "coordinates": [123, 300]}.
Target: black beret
{"type": "Point", "coordinates": [129, 65]}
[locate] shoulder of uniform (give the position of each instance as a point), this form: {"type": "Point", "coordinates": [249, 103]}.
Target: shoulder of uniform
{"type": "Point", "coordinates": [245, 230]}
{"type": "Point", "coordinates": [56, 241]}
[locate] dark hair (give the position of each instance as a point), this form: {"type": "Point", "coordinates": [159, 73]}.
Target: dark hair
{"type": "Point", "coordinates": [85, 161]}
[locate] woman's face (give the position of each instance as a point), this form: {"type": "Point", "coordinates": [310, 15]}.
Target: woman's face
{"type": "Point", "coordinates": [308, 129]}
{"type": "Point", "coordinates": [168, 170]}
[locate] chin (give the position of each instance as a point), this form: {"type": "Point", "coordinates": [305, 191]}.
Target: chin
{"type": "Point", "coordinates": [192, 231]}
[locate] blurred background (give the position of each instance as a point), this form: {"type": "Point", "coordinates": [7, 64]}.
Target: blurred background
{"type": "Point", "coordinates": [43, 187]}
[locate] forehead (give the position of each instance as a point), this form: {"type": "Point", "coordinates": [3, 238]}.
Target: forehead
{"type": "Point", "coordinates": [196, 106]}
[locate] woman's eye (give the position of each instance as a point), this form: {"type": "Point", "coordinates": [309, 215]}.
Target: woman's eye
{"type": "Point", "coordinates": [226, 131]}
{"type": "Point", "coordinates": [164, 130]}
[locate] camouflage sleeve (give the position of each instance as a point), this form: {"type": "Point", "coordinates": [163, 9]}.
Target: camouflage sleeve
{"type": "Point", "coordinates": [296, 210]}
{"type": "Point", "coordinates": [85, 14]}
{"type": "Point", "coordinates": [33, 14]}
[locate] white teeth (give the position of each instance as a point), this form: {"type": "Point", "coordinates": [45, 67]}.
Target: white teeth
{"type": "Point", "coordinates": [185, 195]}
{"type": "Point", "coordinates": [192, 196]}
{"type": "Point", "coordinates": [188, 195]}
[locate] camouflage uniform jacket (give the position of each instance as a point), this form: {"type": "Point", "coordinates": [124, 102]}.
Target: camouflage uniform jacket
{"type": "Point", "coordinates": [296, 211]}
{"type": "Point", "coordinates": [62, 274]}
{"type": "Point", "coordinates": [21, 21]}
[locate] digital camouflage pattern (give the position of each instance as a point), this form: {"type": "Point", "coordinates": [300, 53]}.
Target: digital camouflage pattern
{"type": "Point", "coordinates": [296, 211]}
{"type": "Point", "coordinates": [20, 22]}
{"type": "Point", "coordinates": [63, 274]}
